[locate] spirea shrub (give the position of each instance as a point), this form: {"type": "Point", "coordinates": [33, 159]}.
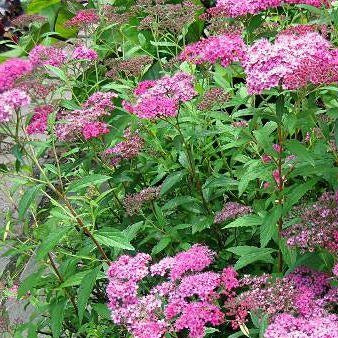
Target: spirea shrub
{"type": "Point", "coordinates": [170, 168]}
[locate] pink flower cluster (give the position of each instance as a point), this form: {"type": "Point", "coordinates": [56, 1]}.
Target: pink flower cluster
{"type": "Point", "coordinates": [38, 122]}
{"type": "Point", "coordinates": [11, 101]}
{"type": "Point", "coordinates": [184, 301]}
{"type": "Point", "coordinates": [161, 98]}
{"type": "Point", "coordinates": [318, 226]}
{"type": "Point", "coordinates": [293, 61]}
{"type": "Point", "coordinates": [127, 149]}
{"type": "Point", "coordinates": [83, 18]}
{"type": "Point", "coordinates": [86, 121]}
{"type": "Point", "coordinates": [231, 210]}
{"type": "Point", "coordinates": [11, 70]}
{"type": "Point", "coordinates": [82, 52]}
{"type": "Point", "coordinates": [47, 55]}
{"type": "Point", "coordinates": [235, 8]}
{"type": "Point", "coordinates": [226, 48]}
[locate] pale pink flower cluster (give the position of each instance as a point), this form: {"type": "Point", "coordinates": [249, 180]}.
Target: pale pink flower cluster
{"type": "Point", "coordinates": [86, 121]}
{"type": "Point", "coordinates": [231, 210]}
{"type": "Point", "coordinates": [47, 55]}
{"type": "Point", "coordinates": [129, 148]}
{"type": "Point", "coordinates": [292, 61]}
{"type": "Point", "coordinates": [82, 52]}
{"type": "Point", "coordinates": [38, 122]}
{"type": "Point", "coordinates": [184, 301]}
{"type": "Point", "coordinates": [11, 101]}
{"type": "Point", "coordinates": [11, 70]}
{"type": "Point", "coordinates": [226, 48]}
{"type": "Point", "coordinates": [83, 18]}
{"type": "Point", "coordinates": [161, 98]}
{"type": "Point", "coordinates": [235, 8]}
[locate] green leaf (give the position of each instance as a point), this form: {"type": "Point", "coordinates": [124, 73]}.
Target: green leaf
{"type": "Point", "coordinates": [263, 325]}
{"type": "Point", "coordinates": [77, 278]}
{"type": "Point", "coordinates": [29, 283]}
{"type": "Point", "coordinates": [36, 6]}
{"type": "Point", "coordinates": [57, 72]}
{"type": "Point", "coordinates": [85, 290]}
{"type": "Point", "coordinates": [102, 310]}
{"type": "Point", "coordinates": [170, 181]}
{"type": "Point", "coordinates": [302, 153]}
{"type": "Point", "coordinates": [51, 241]}
{"type": "Point", "coordinates": [244, 221]}
{"type": "Point", "coordinates": [269, 226]}
{"type": "Point", "coordinates": [161, 245]}
{"type": "Point", "coordinates": [57, 311]}
{"type": "Point", "coordinates": [27, 199]}
{"type": "Point", "coordinates": [113, 238]}
{"type": "Point", "coordinates": [87, 181]}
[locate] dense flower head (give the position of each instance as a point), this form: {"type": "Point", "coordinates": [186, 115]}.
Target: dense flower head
{"type": "Point", "coordinates": [129, 148]}
{"type": "Point", "coordinates": [101, 101]}
{"type": "Point", "coordinates": [134, 202]}
{"type": "Point", "coordinates": [94, 129]}
{"type": "Point", "coordinates": [161, 98]}
{"type": "Point", "coordinates": [10, 101]}
{"type": "Point", "coordinates": [25, 20]}
{"type": "Point", "coordinates": [293, 61]}
{"type": "Point", "coordinates": [11, 70]}
{"type": "Point", "coordinates": [83, 18]}
{"type": "Point", "coordinates": [317, 227]}
{"type": "Point", "coordinates": [82, 52]}
{"type": "Point", "coordinates": [231, 210]}
{"type": "Point", "coordinates": [234, 8]}
{"type": "Point", "coordinates": [226, 48]}
{"type": "Point", "coordinates": [47, 55]}
{"type": "Point", "coordinates": [38, 122]}
{"type": "Point", "coordinates": [213, 97]}
{"type": "Point", "coordinates": [287, 326]}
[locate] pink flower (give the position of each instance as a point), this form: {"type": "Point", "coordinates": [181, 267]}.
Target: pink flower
{"type": "Point", "coordinates": [225, 48]}
{"type": "Point", "coordinates": [278, 148]}
{"type": "Point", "coordinates": [277, 177]}
{"type": "Point", "coordinates": [266, 158]}
{"type": "Point", "coordinates": [84, 53]}
{"type": "Point", "coordinates": [47, 55]}
{"type": "Point", "coordinates": [335, 270]}
{"type": "Point", "coordinates": [266, 185]}
{"type": "Point", "coordinates": [11, 70]}
{"type": "Point", "coordinates": [83, 18]}
{"type": "Point", "coordinates": [231, 210]}
{"type": "Point", "coordinates": [94, 129]}
{"type": "Point", "coordinates": [10, 101]}
{"type": "Point", "coordinates": [38, 123]}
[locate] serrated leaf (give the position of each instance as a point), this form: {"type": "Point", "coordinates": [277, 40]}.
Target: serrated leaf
{"type": "Point", "coordinates": [27, 199]}
{"type": "Point", "coordinates": [36, 6]}
{"type": "Point", "coordinates": [170, 181]}
{"type": "Point", "coordinates": [85, 290]}
{"type": "Point", "coordinates": [161, 245]}
{"type": "Point", "coordinates": [57, 311]}
{"type": "Point", "coordinates": [102, 310]}
{"type": "Point", "coordinates": [113, 238]}
{"type": "Point", "coordinates": [51, 241]}
{"type": "Point", "coordinates": [88, 181]}
{"type": "Point", "coordinates": [28, 283]}
{"type": "Point", "coordinates": [77, 278]}
{"type": "Point", "coordinates": [244, 221]}
{"type": "Point", "coordinates": [269, 226]}
{"type": "Point", "coordinates": [57, 72]}
{"type": "Point", "coordinates": [302, 153]}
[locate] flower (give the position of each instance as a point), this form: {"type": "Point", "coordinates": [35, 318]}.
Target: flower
{"type": "Point", "coordinates": [213, 97]}
{"type": "Point", "coordinates": [94, 129]}
{"type": "Point", "coordinates": [83, 18]}
{"type": "Point", "coordinates": [231, 210]}
{"type": "Point", "coordinates": [38, 122]}
{"type": "Point", "coordinates": [82, 52]}
{"type": "Point", "coordinates": [11, 70]}
{"type": "Point", "coordinates": [10, 101]}
{"type": "Point", "coordinates": [47, 55]}
{"type": "Point", "coordinates": [25, 20]}
{"type": "Point", "coordinates": [226, 48]}
{"type": "Point", "coordinates": [161, 98]}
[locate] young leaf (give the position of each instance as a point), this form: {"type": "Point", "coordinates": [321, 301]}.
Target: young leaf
{"type": "Point", "coordinates": [113, 239]}
{"type": "Point", "coordinates": [244, 221]}
{"type": "Point", "coordinates": [161, 245]}
{"type": "Point", "coordinates": [85, 290]}
{"type": "Point", "coordinates": [87, 181]}
{"type": "Point", "coordinates": [57, 311]}
{"type": "Point", "coordinates": [269, 226]}
{"type": "Point", "coordinates": [170, 181]}
{"type": "Point", "coordinates": [27, 199]}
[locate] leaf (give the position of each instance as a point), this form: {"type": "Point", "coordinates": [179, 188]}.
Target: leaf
{"type": "Point", "coordinates": [245, 221]}
{"type": "Point", "coordinates": [36, 6]}
{"type": "Point", "coordinates": [302, 153]}
{"type": "Point", "coordinates": [161, 245]}
{"type": "Point", "coordinates": [27, 199]}
{"type": "Point", "coordinates": [170, 181]}
{"type": "Point", "coordinates": [87, 181]}
{"type": "Point", "coordinates": [113, 238]}
{"type": "Point", "coordinates": [85, 290]}
{"type": "Point", "coordinates": [263, 325]}
{"type": "Point", "coordinates": [269, 226]}
{"type": "Point", "coordinates": [177, 201]}
{"type": "Point", "coordinates": [57, 314]}
{"type": "Point", "coordinates": [201, 223]}
{"type": "Point", "coordinates": [28, 283]}
{"type": "Point", "coordinates": [280, 107]}
{"type": "Point", "coordinates": [102, 310]}
{"type": "Point", "coordinates": [77, 278]}
{"type": "Point", "coordinates": [51, 241]}
{"type": "Point", "coordinates": [57, 72]}
{"type": "Point", "coordinates": [163, 43]}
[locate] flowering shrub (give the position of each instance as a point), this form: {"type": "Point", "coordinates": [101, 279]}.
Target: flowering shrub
{"type": "Point", "coordinates": [172, 168]}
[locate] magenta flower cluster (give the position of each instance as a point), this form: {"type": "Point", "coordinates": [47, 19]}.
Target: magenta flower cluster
{"type": "Point", "coordinates": [293, 61]}
{"type": "Point", "coordinates": [47, 55]}
{"type": "Point", "coordinates": [235, 8]}
{"type": "Point", "coordinates": [11, 101]}
{"type": "Point", "coordinates": [226, 48]}
{"type": "Point", "coordinates": [82, 52]}
{"type": "Point", "coordinates": [185, 300]}
{"type": "Point", "coordinates": [11, 70]}
{"type": "Point", "coordinates": [318, 226]}
{"type": "Point", "coordinates": [83, 18]}
{"type": "Point", "coordinates": [129, 148]}
{"type": "Point", "coordinates": [86, 121]}
{"type": "Point", "coordinates": [38, 122]}
{"type": "Point", "coordinates": [161, 98]}
{"type": "Point", "coordinates": [231, 210]}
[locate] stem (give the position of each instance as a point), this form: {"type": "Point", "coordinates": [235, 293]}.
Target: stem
{"type": "Point", "coordinates": [280, 199]}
